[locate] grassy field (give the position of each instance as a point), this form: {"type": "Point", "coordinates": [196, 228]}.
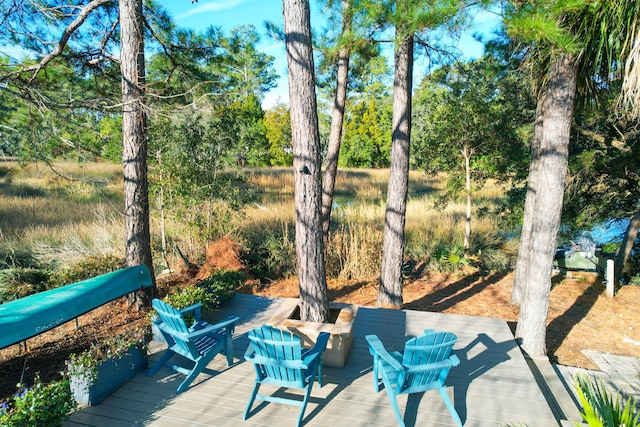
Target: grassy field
{"type": "Point", "coordinates": [53, 218]}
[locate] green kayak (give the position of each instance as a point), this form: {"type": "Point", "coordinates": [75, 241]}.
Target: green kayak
{"type": "Point", "coordinates": [32, 315]}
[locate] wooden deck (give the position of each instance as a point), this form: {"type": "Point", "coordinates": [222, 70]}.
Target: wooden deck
{"type": "Point", "coordinates": [493, 385]}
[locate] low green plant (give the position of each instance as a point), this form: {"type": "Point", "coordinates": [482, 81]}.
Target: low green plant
{"type": "Point", "coordinates": [495, 260]}
{"type": "Point", "coordinates": [38, 405]}
{"type": "Point", "coordinates": [19, 282]}
{"type": "Point", "coordinates": [85, 269]}
{"type": "Point", "coordinates": [221, 285]}
{"type": "Point", "coordinates": [271, 250]}
{"type": "Point", "coordinates": [86, 363]}
{"type": "Point", "coordinates": [601, 408]}
{"type": "Point", "coordinates": [190, 295]}
{"type": "Point", "coordinates": [449, 259]}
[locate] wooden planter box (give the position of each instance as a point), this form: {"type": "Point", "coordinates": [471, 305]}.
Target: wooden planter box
{"type": "Point", "coordinates": [341, 330]}
{"type": "Point", "coordinates": [111, 374]}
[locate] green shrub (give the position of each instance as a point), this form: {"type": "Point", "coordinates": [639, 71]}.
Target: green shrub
{"type": "Point", "coordinates": [610, 247]}
{"type": "Point", "coordinates": [191, 295]}
{"type": "Point", "coordinates": [39, 405]}
{"type": "Point", "coordinates": [221, 284]}
{"type": "Point", "coordinates": [272, 252]}
{"type": "Point", "coordinates": [495, 260]}
{"type": "Point", "coordinates": [211, 292]}
{"type": "Point", "coordinates": [601, 408]}
{"type": "Point", "coordinates": [449, 259]}
{"type": "Point", "coordinates": [86, 269]}
{"type": "Point", "coordinates": [21, 282]}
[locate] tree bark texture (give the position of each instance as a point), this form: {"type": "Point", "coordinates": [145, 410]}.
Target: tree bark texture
{"type": "Point", "coordinates": [390, 291]}
{"type": "Point", "coordinates": [337, 119]}
{"type": "Point", "coordinates": [306, 161]}
{"type": "Point", "coordinates": [522, 263]}
{"type": "Point", "coordinates": [628, 241]}
{"type": "Point", "coordinates": [467, 152]}
{"type": "Point", "coordinates": [546, 189]}
{"type": "Point", "coordinates": [134, 139]}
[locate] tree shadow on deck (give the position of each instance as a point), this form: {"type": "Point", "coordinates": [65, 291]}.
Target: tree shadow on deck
{"type": "Point", "coordinates": [473, 367]}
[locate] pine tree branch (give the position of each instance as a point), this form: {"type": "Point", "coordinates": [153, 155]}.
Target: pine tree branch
{"type": "Point", "coordinates": [64, 39]}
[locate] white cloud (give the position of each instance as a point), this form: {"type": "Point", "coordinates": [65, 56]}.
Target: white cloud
{"type": "Point", "coordinates": [213, 6]}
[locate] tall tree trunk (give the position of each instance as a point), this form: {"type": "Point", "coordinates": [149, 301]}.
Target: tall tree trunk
{"type": "Point", "coordinates": [390, 291]}
{"type": "Point", "coordinates": [547, 190]}
{"type": "Point", "coordinates": [337, 119]}
{"type": "Point", "coordinates": [523, 261]}
{"type": "Point", "coordinates": [134, 140]}
{"type": "Point", "coordinates": [628, 241]}
{"type": "Point", "coordinates": [467, 152]}
{"type": "Point", "coordinates": [306, 161]}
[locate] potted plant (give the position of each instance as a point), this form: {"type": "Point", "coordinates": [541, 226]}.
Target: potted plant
{"type": "Point", "coordinates": [97, 372]}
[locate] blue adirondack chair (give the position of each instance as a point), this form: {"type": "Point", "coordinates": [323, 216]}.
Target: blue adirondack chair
{"type": "Point", "coordinates": [280, 360]}
{"type": "Point", "coordinates": [199, 343]}
{"type": "Point", "coordinates": [423, 366]}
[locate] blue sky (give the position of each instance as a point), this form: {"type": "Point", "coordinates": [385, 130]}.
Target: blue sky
{"type": "Point", "coordinates": [228, 14]}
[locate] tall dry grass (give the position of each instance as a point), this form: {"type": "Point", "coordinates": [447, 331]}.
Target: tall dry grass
{"type": "Point", "coordinates": [62, 220]}
{"type": "Point", "coordinates": [64, 213]}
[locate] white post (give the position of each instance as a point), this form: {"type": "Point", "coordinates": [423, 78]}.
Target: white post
{"type": "Point", "coordinates": [610, 275]}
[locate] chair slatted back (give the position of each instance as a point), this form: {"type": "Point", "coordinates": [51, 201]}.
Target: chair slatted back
{"type": "Point", "coordinates": [177, 329]}
{"type": "Point", "coordinates": [425, 350]}
{"type": "Point", "coordinates": [278, 356]}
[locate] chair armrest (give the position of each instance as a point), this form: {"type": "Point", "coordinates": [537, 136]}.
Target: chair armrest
{"type": "Point", "coordinates": [229, 323]}
{"type": "Point", "coordinates": [454, 360]}
{"type": "Point", "coordinates": [318, 348]}
{"type": "Point", "coordinates": [443, 364]}
{"type": "Point", "coordinates": [193, 308]}
{"type": "Point", "coordinates": [248, 354]}
{"type": "Point", "coordinates": [376, 348]}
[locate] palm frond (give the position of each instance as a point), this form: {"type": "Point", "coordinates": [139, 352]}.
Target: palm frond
{"type": "Point", "coordinates": [603, 409]}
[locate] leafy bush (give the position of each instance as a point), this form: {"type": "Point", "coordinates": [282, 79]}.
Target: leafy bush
{"type": "Point", "coordinates": [221, 285]}
{"type": "Point", "coordinates": [610, 247]}
{"type": "Point", "coordinates": [495, 260]}
{"type": "Point", "coordinates": [85, 269]}
{"type": "Point", "coordinates": [601, 408]}
{"type": "Point", "coordinates": [190, 295]}
{"type": "Point", "coordinates": [211, 292]}
{"type": "Point", "coordinates": [39, 405]}
{"type": "Point", "coordinates": [272, 253]}
{"type": "Point", "coordinates": [20, 282]}
{"type": "Point", "coordinates": [449, 259]}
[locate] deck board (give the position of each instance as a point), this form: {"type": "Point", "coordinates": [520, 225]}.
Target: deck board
{"type": "Point", "coordinates": [492, 386]}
